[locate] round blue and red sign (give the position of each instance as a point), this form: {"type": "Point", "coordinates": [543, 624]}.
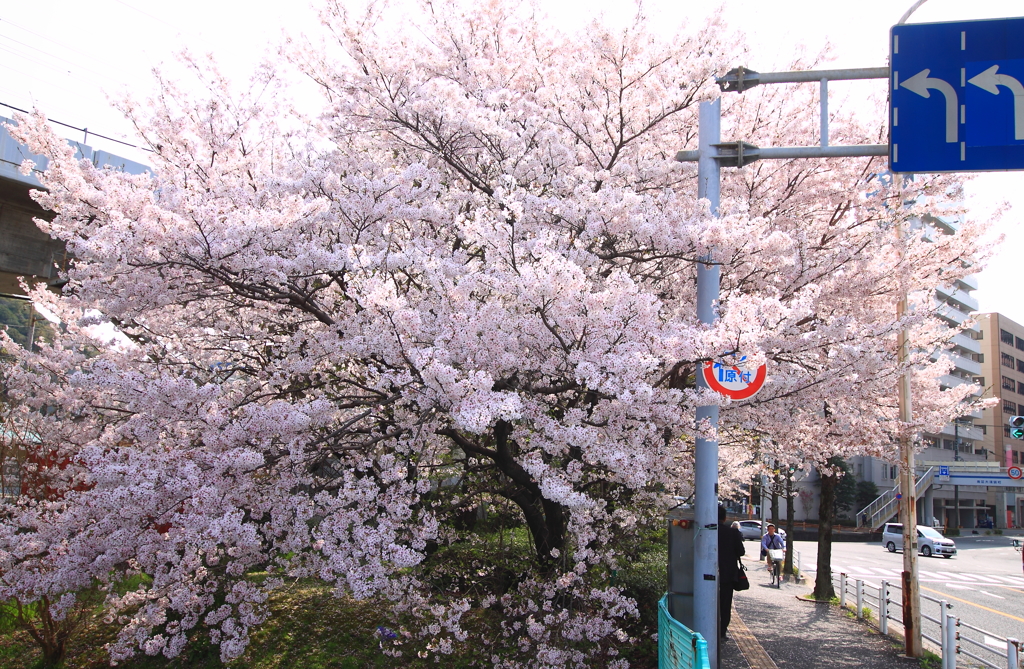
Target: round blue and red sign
{"type": "Point", "coordinates": [1014, 472]}
{"type": "Point", "coordinates": [734, 381]}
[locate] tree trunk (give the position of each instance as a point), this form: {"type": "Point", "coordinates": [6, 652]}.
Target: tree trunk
{"type": "Point", "coordinates": [545, 519]}
{"type": "Point", "coordinates": [788, 566]}
{"type": "Point", "coordinates": [826, 510]}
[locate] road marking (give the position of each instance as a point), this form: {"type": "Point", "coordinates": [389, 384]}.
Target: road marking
{"type": "Point", "coordinates": [964, 601]}
{"type": "Point", "coordinates": [983, 578]}
{"type": "Point", "coordinates": [1012, 580]}
{"type": "Point", "coordinates": [991, 595]}
{"type": "Point", "coordinates": [954, 586]}
{"type": "Point", "coordinates": [994, 643]}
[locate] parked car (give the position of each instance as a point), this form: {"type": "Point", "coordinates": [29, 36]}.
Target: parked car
{"type": "Point", "coordinates": [929, 540]}
{"type": "Point", "coordinates": [751, 530]}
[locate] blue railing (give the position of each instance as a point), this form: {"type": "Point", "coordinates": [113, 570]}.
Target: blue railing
{"type": "Point", "coordinates": [679, 647]}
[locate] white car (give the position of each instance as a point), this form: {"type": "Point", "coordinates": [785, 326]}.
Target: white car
{"type": "Point", "coordinates": [750, 530]}
{"type": "Point", "coordinates": [929, 540]}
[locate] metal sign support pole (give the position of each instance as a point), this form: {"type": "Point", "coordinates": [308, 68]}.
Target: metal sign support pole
{"type": "Point", "coordinates": [705, 476]}
{"type": "Point", "coordinates": [710, 157]}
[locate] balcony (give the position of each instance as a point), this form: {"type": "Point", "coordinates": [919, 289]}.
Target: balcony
{"type": "Point", "coordinates": [961, 297]}
{"type": "Point", "coordinates": [952, 381]}
{"type": "Point", "coordinates": [966, 343]}
{"type": "Point", "coordinates": [963, 364]}
{"type": "Point", "coordinates": [969, 282]}
{"type": "Point", "coordinates": [953, 314]}
{"type": "Point", "coordinates": [966, 432]}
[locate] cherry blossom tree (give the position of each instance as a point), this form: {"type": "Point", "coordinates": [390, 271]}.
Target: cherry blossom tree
{"type": "Point", "coordinates": [468, 281]}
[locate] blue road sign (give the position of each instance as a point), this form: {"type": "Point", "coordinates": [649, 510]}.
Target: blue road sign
{"type": "Point", "coordinates": [943, 470]}
{"type": "Point", "coordinates": [957, 96]}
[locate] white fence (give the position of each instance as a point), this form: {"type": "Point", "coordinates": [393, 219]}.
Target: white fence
{"type": "Point", "coordinates": [946, 632]}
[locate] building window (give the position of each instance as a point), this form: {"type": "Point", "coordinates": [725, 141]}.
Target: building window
{"type": "Point", "coordinates": [947, 444]}
{"type": "Point", "coordinates": [1016, 457]}
{"type": "Point", "coordinates": [984, 428]}
{"type": "Point", "coordinates": [1009, 407]}
{"type": "Point", "coordinates": [1020, 387]}
{"type": "Point", "coordinates": [1006, 337]}
{"type": "Point", "coordinates": [980, 380]}
{"type": "Point", "coordinates": [1006, 431]}
{"type": "Point", "coordinates": [1020, 365]}
{"type": "Point", "coordinates": [978, 357]}
{"type": "Point", "coordinates": [1006, 360]}
{"type": "Point", "coordinates": [1020, 343]}
{"type": "Point", "coordinates": [1009, 384]}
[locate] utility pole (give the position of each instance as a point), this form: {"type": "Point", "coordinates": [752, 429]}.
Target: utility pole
{"type": "Point", "coordinates": [956, 488]}
{"type": "Point", "coordinates": [908, 486]}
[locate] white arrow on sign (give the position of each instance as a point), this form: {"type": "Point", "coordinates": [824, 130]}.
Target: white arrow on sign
{"type": "Point", "coordinates": [991, 81]}
{"type": "Point", "coordinates": [921, 82]}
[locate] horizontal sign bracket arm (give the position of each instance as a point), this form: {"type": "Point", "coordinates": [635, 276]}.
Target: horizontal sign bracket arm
{"type": "Point", "coordinates": [738, 154]}
{"type": "Point", "coordinates": [741, 79]}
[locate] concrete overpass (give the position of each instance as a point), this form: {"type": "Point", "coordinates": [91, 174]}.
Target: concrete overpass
{"type": "Point", "coordinates": [24, 249]}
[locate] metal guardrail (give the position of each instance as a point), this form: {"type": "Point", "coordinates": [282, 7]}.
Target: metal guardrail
{"type": "Point", "coordinates": [679, 647]}
{"type": "Point", "coordinates": [952, 633]}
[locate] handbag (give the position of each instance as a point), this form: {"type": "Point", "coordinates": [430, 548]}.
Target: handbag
{"type": "Point", "coordinates": [777, 554]}
{"type": "Point", "coordinates": [741, 582]}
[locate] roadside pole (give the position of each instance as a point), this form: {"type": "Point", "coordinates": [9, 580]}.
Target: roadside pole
{"type": "Point", "coordinates": [908, 505]}
{"type": "Point", "coordinates": [705, 571]}
{"type": "Point", "coordinates": [710, 157]}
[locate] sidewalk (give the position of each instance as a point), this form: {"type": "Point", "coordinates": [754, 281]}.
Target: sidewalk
{"type": "Point", "coordinates": [773, 629]}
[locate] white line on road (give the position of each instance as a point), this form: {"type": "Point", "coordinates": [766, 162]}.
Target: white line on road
{"type": "Point", "coordinates": [954, 586]}
{"type": "Point", "coordinates": [966, 577]}
{"type": "Point", "coordinates": [1012, 580]}
{"type": "Point", "coordinates": [987, 579]}
{"type": "Point", "coordinates": [991, 595]}
{"type": "Point", "coordinates": [995, 643]}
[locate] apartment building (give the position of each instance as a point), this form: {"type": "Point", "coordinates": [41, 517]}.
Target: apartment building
{"type": "Point", "coordinates": [961, 442]}
{"type": "Point", "coordinates": [1003, 378]}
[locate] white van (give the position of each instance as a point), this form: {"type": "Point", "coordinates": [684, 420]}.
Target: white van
{"type": "Point", "coordinates": [929, 541]}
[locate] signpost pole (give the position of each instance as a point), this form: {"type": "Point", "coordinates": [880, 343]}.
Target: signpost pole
{"type": "Point", "coordinates": [705, 477]}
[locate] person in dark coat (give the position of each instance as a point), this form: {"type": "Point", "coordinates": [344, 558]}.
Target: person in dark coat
{"type": "Point", "coordinates": [730, 549]}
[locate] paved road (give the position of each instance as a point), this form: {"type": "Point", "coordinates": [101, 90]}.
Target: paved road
{"type": "Point", "coordinates": [984, 582]}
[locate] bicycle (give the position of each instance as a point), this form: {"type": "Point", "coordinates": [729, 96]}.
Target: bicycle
{"type": "Point", "coordinates": [775, 558]}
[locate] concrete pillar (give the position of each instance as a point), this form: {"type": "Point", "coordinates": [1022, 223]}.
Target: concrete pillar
{"type": "Point", "coordinates": [929, 506]}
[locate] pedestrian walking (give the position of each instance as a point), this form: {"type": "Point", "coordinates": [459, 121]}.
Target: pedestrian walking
{"type": "Point", "coordinates": [730, 550]}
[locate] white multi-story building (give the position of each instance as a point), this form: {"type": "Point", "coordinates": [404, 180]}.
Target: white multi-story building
{"type": "Point", "coordinates": [959, 444]}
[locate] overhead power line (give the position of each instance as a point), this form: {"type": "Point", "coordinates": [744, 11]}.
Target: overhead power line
{"type": "Point", "coordinates": [82, 130]}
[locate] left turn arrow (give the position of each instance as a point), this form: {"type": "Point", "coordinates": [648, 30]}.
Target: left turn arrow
{"type": "Point", "coordinates": [921, 82]}
{"type": "Point", "coordinates": [990, 81]}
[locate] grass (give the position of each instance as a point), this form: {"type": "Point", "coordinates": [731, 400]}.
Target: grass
{"type": "Point", "coordinates": [930, 660]}
{"type": "Point", "coordinates": [310, 628]}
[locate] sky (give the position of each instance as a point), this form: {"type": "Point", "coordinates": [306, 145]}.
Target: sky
{"type": "Point", "coordinates": [66, 56]}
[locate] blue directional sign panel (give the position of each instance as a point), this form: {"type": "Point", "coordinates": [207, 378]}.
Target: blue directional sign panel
{"type": "Point", "coordinates": [957, 96]}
